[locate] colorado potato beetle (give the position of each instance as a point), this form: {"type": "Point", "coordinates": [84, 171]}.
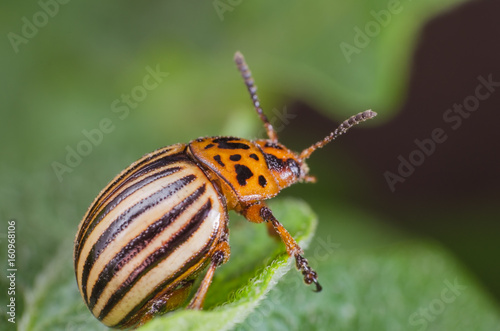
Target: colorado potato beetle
{"type": "Point", "coordinates": [156, 227]}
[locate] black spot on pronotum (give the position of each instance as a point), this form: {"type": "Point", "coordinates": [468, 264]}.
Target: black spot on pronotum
{"type": "Point", "coordinates": [235, 157]}
{"type": "Point", "coordinates": [217, 158]}
{"type": "Point", "coordinates": [225, 143]}
{"type": "Point", "coordinates": [209, 146]}
{"type": "Point", "coordinates": [243, 173]}
{"type": "Point", "coordinates": [262, 181]}
{"type": "Point", "coordinates": [254, 156]}
{"type": "Point", "coordinates": [273, 163]}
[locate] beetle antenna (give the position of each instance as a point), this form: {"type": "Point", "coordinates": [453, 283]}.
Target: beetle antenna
{"type": "Point", "coordinates": [342, 128]}
{"type": "Point", "coordinates": [250, 83]}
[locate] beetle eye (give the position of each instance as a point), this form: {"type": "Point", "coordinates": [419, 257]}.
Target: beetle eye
{"type": "Point", "coordinates": [294, 167]}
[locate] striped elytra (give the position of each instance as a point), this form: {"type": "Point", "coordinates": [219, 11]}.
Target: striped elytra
{"type": "Point", "coordinates": [161, 222]}
{"type": "Point", "coordinates": [150, 230]}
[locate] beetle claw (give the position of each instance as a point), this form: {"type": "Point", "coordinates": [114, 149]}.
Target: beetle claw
{"type": "Point", "coordinates": [310, 276]}
{"type": "Point", "coordinates": [318, 286]}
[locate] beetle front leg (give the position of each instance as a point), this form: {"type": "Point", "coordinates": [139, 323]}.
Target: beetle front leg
{"type": "Point", "coordinates": [259, 213]}
{"type": "Point", "coordinates": [220, 256]}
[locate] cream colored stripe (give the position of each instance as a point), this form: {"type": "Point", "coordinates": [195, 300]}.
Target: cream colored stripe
{"type": "Point", "coordinates": [114, 194]}
{"type": "Point", "coordinates": [137, 227]}
{"type": "Point", "coordinates": [156, 244]}
{"type": "Point", "coordinates": [125, 204]}
{"type": "Point", "coordinates": [159, 154]}
{"type": "Point", "coordinates": [197, 242]}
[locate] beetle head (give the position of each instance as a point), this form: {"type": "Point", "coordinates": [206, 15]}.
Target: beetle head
{"type": "Point", "coordinates": [285, 165]}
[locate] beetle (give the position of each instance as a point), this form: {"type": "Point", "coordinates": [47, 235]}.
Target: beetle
{"type": "Point", "coordinates": [161, 222]}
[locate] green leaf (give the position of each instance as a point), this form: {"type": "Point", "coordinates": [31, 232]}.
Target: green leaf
{"type": "Point", "coordinates": [55, 303]}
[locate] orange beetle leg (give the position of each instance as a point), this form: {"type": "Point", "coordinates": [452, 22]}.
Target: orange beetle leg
{"type": "Point", "coordinates": [220, 256]}
{"type": "Point", "coordinates": [259, 213]}
{"type": "Point", "coordinates": [272, 232]}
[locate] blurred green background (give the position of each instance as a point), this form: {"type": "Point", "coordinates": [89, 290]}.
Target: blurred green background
{"type": "Point", "coordinates": [68, 69]}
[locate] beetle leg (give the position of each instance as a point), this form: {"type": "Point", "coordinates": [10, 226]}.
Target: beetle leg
{"type": "Point", "coordinates": [220, 256]}
{"type": "Point", "coordinates": [272, 232]}
{"type": "Point", "coordinates": [259, 213]}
